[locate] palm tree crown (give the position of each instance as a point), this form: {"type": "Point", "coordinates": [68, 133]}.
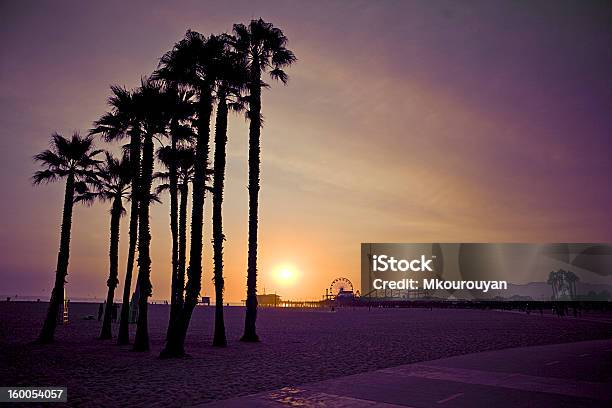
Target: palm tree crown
{"type": "Point", "coordinates": [122, 118]}
{"type": "Point", "coordinates": [184, 159]}
{"type": "Point", "coordinates": [193, 61]}
{"type": "Point", "coordinates": [111, 181]}
{"type": "Point", "coordinates": [263, 45]}
{"type": "Point", "coordinates": [67, 156]}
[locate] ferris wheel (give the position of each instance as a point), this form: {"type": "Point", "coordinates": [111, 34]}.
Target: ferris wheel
{"type": "Point", "coordinates": [340, 285]}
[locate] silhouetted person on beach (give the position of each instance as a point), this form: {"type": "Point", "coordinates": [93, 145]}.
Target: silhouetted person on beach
{"type": "Point", "coordinates": [100, 311]}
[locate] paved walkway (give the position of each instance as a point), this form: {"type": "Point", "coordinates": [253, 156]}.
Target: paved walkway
{"type": "Point", "coordinates": [562, 375]}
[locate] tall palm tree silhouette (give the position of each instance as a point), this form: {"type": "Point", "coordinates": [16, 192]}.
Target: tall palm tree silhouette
{"type": "Point", "coordinates": [193, 62]}
{"type": "Point", "coordinates": [263, 48]}
{"type": "Point", "coordinates": [71, 159]}
{"type": "Point", "coordinates": [111, 183]}
{"type": "Point", "coordinates": [123, 122]}
{"type": "Point", "coordinates": [230, 84]}
{"type": "Point", "coordinates": [152, 107]}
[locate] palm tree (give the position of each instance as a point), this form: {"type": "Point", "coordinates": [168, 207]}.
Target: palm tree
{"type": "Point", "coordinates": [184, 158]}
{"type": "Point", "coordinates": [552, 281]}
{"type": "Point", "coordinates": [558, 281]}
{"type": "Point", "coordinates": [121, 122]}
{"type": "Point", "coordinates": [229, 96]}
{"type": "Point", "coordinates": [180, 113]}
{"type": "Point", "coordinates": [112, 183]}
{"type": "Point", "coordinates": [575, 279]}
{"type": "Point", "coordinates": [152, 107]}
{"type": "Point", "coordinates": [193, 63]}
{"type": "Point", "coordinates": [263, 48]}
{"type": "Point", "coordinates": [173, 181]}
{"type": "Point", "coordinates": [572, 278]}
{"type": "Point", "coordinates": [71, 159]}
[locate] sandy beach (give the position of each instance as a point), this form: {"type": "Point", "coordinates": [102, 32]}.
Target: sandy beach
{"type": "Point", "coordinates": [299, 346]}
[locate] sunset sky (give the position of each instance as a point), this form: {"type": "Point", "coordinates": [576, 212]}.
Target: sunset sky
{"type": "Point", "coordinates": [403, 121]}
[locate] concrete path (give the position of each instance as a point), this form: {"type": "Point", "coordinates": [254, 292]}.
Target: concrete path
{"type": "Point", "coordinates": [562, 375]}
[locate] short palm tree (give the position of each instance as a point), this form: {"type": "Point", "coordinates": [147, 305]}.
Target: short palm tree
{"type": "Point", "coordinates": [193, 62]}
{"type": "Point", "coordinates": [263, 48]}
{"type": "Point", "coordinates": [123, 122]}
{"type": "Point", "coordinates": [180, 114]}
{"type": "Point", "coordinates": [185, 165]}
{"type": "Point", "coordinates": [111, 183]}
{"type": "Point", "coordinates": [71, 159]}
{"type": "Point", "coordinates": [184, 157]}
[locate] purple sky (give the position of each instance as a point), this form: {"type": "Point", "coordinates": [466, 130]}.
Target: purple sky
{"type": "Point", "coordinates": [403, 121]}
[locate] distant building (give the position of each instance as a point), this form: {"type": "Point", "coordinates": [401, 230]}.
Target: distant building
{"type": "Point", "coordinates": [268, 299]}
{"type": "Point", "coordinates": [205, 300]}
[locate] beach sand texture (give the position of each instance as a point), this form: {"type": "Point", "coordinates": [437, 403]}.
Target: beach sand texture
{"type": "Point", "coordinates": [299, 346]}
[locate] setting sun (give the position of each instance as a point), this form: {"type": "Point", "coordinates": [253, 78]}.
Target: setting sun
{"type": "Point", "coordinates": [286, 275]}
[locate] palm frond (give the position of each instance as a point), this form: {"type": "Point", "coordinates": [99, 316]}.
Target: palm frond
{"type": "Point", "coordinates": [280, 75]}
{"type": "Point", "coordinates": [162, 188]}
{"type": "Point", "coordinates": [50, 159]}
{"type": "Point", "coordinates": [44, 177]}
{"type": "Point", "coordinates": [86, 198]}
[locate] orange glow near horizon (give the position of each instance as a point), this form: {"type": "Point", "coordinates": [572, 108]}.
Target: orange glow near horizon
{"type": "Point", "coordinates": [286, 275]}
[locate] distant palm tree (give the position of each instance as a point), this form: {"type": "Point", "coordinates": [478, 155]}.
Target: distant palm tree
{"type": "Point", "coordinates": [71, 159]}
{"type": "Point", "coordinates": [230, 85]}
{"type": "Point", "coordinates": [193, 62]}
{"type": "Point", "coordinates": [122, 122]}
{"type": "Point", "coordinates": [571, 279]}
{"type": "Point", "coordinates": [263, 48]}
{"type": "Point", "coordinates": [152, 107]}
{"type": "Point", "coordinates": [112, 183]}
{"type": "Point", "coordinates": [553, 281]}
{"type": "Point", "coordinates": [563, 286]}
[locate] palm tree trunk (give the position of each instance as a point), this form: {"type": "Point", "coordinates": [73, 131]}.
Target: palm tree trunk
{"type": "Point", "coordinates": [180, 283]}
{"type": "Point", "coordinates": [175, 302]}
{"type": "Point", "coordinates": [48, 329]}
{"type": "Point", "coordinates": [124, 333]}
{"type": "Point", "coordinates": [141, 341]}
{"type": "Point", "coordinates": [175, 344]}
{"type": "Point", "coordinates": [113, 274]}
{"type": "Point", "coordinates": [219, 338]}
{"type": "Point", "coordinates": [250, 333]}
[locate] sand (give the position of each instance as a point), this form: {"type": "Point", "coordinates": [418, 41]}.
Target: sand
{"type": "Point", "coordinates": [298, 346]}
